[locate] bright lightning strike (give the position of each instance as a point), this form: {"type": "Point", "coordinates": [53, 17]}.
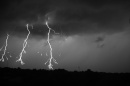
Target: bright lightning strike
{"type": "Point", "coordinates": [48, 40]}
{"type": "Point", "coordinates": [1, 48]}
{"type": "Point", "coordinates": [5, 48]}
{"type": "Point", "coordinates": [24, 46]}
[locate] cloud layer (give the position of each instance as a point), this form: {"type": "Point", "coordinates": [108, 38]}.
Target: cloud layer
{"type": "Point", "coordinates": [68, 16]}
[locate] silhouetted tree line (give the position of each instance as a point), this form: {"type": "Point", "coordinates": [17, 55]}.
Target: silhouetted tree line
{"type": "Point", "coordinates": [60, 76]}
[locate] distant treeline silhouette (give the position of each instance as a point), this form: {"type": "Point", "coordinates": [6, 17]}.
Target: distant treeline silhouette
{"type": "Point", "coordinates": [59, 77]}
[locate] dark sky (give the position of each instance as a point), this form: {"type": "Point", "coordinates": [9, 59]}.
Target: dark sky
{"type": "Point", "coordinates": [91, 16]}
{"type": "Point", "coordinates": [93, 34]}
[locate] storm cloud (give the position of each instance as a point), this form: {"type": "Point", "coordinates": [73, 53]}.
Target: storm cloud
{"type": "Point", "coordinates": [92, 34]}
{"type": "Point", "coordinates": [68, 16]}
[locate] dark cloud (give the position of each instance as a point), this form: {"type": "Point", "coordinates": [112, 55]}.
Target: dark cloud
{"type": "Point", "coordinates": [70, 16]}
{"type": "Point", "coordinates": [82, 18]}
{"type": "Point", "coordinates": [99, 39]}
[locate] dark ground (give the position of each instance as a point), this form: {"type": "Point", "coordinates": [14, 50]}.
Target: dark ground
{"type": "Point", "coordinates": [19, 76]}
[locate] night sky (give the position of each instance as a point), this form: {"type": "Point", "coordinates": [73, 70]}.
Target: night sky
{"type": "Point", "coordinates": [93, 34]}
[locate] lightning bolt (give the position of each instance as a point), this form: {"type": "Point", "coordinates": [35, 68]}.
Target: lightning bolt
{"type": "Point", "coordinates": [5, 48]}
{"type": "Point", "coordinates": [24, 46]}
{"type": "Point", "coordinates": [1, 48]}
{"type": "Point", "coordinates": [50, 66]}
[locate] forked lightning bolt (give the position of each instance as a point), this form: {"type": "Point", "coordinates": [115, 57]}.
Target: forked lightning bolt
{"type": "Point", "coordinates": [5, 48]}
{"type": "Point", "coordinates": [48, 40]}
{"type": "Point", "coordinates": [23, 49]}
{"type": "Point", "coordinates": [50, 66]}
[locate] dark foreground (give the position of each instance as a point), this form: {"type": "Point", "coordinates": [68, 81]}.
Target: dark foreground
{"type": "Point", "coordinates": [61, 77]}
